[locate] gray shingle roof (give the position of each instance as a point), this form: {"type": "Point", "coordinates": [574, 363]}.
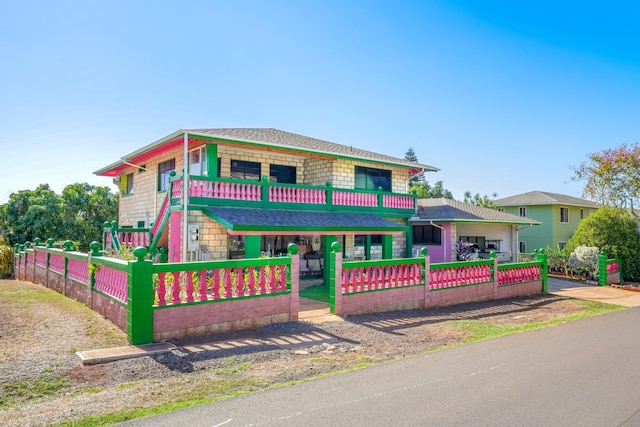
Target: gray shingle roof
{"type": "Point", "coordinates": [272, 220]}
{"type": "Point", "coordinates": [544, 198]}
{"type": "Point", "coordinates": [447, 210]}
{"type": "Point", "coordinates": [292, 140]}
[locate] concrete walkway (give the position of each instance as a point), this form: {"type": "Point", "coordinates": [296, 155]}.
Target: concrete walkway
{"type": "Point", "coordinates": [607, 294]}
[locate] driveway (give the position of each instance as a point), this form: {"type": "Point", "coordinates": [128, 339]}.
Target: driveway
{"type": "Point", "coordinates": [584, 291]}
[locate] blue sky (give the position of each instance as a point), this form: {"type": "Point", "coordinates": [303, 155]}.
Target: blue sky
{"type": "Point", "coordinates": [502, 96]}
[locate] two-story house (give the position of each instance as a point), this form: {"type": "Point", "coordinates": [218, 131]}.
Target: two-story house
{"type": "Point", "coordinates": [559, 214]}
{"type": "Point", "coordinates": [250, 192]}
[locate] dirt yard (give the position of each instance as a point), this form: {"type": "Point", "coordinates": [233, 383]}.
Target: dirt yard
{"type": "Point", "coordinates": [43, 382]}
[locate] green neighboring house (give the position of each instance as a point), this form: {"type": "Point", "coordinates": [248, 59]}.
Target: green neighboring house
{"type": "Point", "coordinates": [560, 215]}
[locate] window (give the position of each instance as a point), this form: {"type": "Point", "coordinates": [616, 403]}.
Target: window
{"type": "Point", "coordinates": [427, 235]}
{"type": "Point", "coordinates": [282, 173]}
{"type": "Point", "coordinates": [140, 224]}
{"type": "Point", "coordinates": [561, 245]}
{"type": "Point", "coordinates": [500, 209]}
{"type": "Point", "coordinates": [522, 211]}
{"type": "Point", "coordinates": [241, 169]}
{"type": "Point", "coordinates": [371, 178]}
{"type": "Point", "coordinates": [128, 181]}
{"type": "Point", "coordinates": [564, 214]}
{"type": "Point", "coordinates": [522, 247]}
{"type": "Point", "coordinates": [360, 239]}
{"type": "Point", "coordinates": [477, 240]}
{"type": "Point", "coordinates": [198, 161]}
{"type": "Point", "coordinates": [163, 174]}
{"type": "Point", "coordinates": [581, 213]}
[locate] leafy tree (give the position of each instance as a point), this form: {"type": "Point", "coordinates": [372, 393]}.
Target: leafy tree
{"type": "Point", "coordinates": [85, 209]}
{"type": "Point", "coordinates": [78, 214]}
{"type": "Point", "coordinates": [611, 176]}
{"type": "Point", "coordinates": [479, 200]}
{"type": "Point", "coordinates": [613, 231]}
{"type": "Point", "coordinates": [423, 190]}
{"type": "Point", "coordinates": [31, 213]}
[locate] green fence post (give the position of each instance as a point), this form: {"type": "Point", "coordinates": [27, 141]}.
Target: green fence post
{"type": "Point", "coordinates": [329, 196]}
{"type": "Point", "coordinates": [602, 269]}
{"type": "Point", "coordinates": [335, 250]}
{"type": "Point", "coordinates": [544, 271]}
{"type": "Point", "coordinates": [140, 299]}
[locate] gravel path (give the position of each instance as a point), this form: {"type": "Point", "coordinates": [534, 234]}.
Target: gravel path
{"type": "Point", "coordinates": [38, 341]}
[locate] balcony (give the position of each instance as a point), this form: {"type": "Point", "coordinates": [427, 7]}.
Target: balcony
{"type": "Point", "coordinates": [205, 191]}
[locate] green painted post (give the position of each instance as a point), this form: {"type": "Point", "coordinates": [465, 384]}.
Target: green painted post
{"type": "Point", "coordinates": [327, 242]}
{"type": "Point", "coordinates": [380, 200]}
{"type": "Point", "coordinates": [212, 161]}
{"type": "Point", "coordinates": [252, 246]}
{"type": "Point", "coordinates": [387, 246]}
{"type": "Point", "coordinates": [164, 255]}
{"type": "Point", "coordinates": [367, 246]}
{"type": "Point", "coordinates": [602, 269]}
{"type": "Point", "coordinates": [409, 240]}
{"type": "Point", "coordinates": [140, 300]}
{"type": "Point", "coordinates": [329, 196]}
{"type": "Point", "coordinates": [264, 189]}
{"type": "Point", "coordinates": [36, 242]}
{"type": "Point", "coordinates": [544, 270]}
{"type": "Point", "coordinates": [335, 249]}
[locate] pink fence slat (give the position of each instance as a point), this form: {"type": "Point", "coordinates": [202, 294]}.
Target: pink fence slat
{"type": "Point", "coordinates": [202, 285]}
{"type": "Point", "coordinates": [397, 201]}
{"type": "Point", "coordinates": [176, 189]}
{"type": "Point", "coordinates": [112, 282]}
{"type": "Point", "coordinates": [459, 276]}
{"type": "Point", "coordinates": [29, 257]}
{"type": "Point", "coordinates": [375, 277]}
{"type": "Point", "coordinates": [176, 289]}
{"type": "Point", "coordinates": [56, 263]}
{"type": "Point", "coordinates": [515, 275]}
{"type": "Point", "coordinates": [41, 259]}
{"type": "Point", "coordinates": [78, 270]}
{"type": "Point", "coordinates": [189, 289]}
{"type": "Point", "coordinates": [161, 290]}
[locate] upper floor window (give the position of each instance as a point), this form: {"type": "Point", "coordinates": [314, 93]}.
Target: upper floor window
{"type": "Point", "coordinates": [522, 247]}
{"type": "Point", "coordinates": [581, 213]}
{"type": "Point", "coordinates": [522, 211]}
{"type": "Point", "coordinates": [282, 173]}
{"type": "Point", "coordinates": [128, 189]}
{"type": "Point", "coordinates": [500, 209]}
{"type": "Point", "coordinates": [372, 178]}
{"type": "Point", "coordinates": [562, 244]}
{"type": "Point", "coordinates": [198, 161]}
{"type": "Point", "coordinates": [241, 169]}
{"type": "Point", "coordinates": [427, 235]}
{"type": "Point", "coordinates": [163, 174]}
{"type": "Point", "coordinates": [564, 214]}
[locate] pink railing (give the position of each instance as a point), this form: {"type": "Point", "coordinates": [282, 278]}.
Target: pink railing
{"type": "Point", "coordinates": [397, 201]}
{"type": "Point", "coordinates": [360, 279]}
{"type": "Point", "coordinates": [56, 263]}
{"type": "Point", "coordinates": [450, 277]}
{"type": "Point", "coordinates": [510, 276]}
{"type": "Point", "coordinates": [30, 258]}
{"type": "Point", "coordinates": [78, 270]}
{"type": "Point", "coordinates": [225, 190]}
{"type": "Point", "coordinates": [613, 267]}
{"type": "Point", "coordinates": [134, 238]}
{"type": "Point", "coordinates": [41, 259]}
{"type": "Point", "coordinates": [176, 189]}
{"type": "Point", "coordinates": [112, 282]}
{"type": "Point", "coordinates": [309, 196]}
{"type": "Point", "coordinates": [349, 198]}
{"type": "Point", "coordinates": [219, 284]}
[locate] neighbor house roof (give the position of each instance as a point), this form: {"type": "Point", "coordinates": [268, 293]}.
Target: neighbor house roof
{"type": "Point", "coordinates": [257, 137]}
{"type": "Point", "coordinates": [544, 198]}
{"type": "Point", "coordinates": [447, 210]}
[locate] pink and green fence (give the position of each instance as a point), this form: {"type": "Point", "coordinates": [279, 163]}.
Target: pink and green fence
{"type": "Point", "coordinates": [365, 286]}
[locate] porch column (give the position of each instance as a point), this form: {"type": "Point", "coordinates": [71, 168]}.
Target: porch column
{"type": "Point", "coordinates": [387, 246]}
{"type": "Point", "coordinates": [252, 246]}
{"type": "Point", "coordinates": [367, 246]}
{"type": "Point", "coordinates": [326, 253]}
{"type": "Point", "coordinates": [212, 161]}
{"type": "Point", "coordinates": [409, 241]}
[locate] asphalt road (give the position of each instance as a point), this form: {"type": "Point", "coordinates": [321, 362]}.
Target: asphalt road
{"type": "Point", "coordinates": [582, 373]}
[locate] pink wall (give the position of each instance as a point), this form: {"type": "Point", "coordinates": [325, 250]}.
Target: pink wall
{"type": "Point", "coordinates": [440, 253]}
{"type": "Point", "coordinates": [175, 232]}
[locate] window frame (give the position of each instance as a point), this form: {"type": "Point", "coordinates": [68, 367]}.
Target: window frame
{"type": "Point", "coordinates": [128, 184]}
{"type": "Point", "coordinates": [202, 164]}
{"type": "Point", "coordinates": [522, 211]}
{"type": "Point", "coordinates": [522, 246]}
{"type": "Point", "coordinates": [420, 238]}
{"type": "Point", "coordinates": [371, 178]}
{"type": "Point", "coordinates": [565, 217]}
{"type": "Point", "coordinates": [282, 171]}
{"type": "Point", "coordinates": [245, 164]}
{"type": "Point", "coordinates": [164, 177]}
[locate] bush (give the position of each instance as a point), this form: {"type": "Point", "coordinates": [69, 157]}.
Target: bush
{"type": "Point", "coordinates": [615, 232]}
{"type": "Point", "coordinates": [6, 261]}
{"type": "Point", "coordinates": [584, 260]}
